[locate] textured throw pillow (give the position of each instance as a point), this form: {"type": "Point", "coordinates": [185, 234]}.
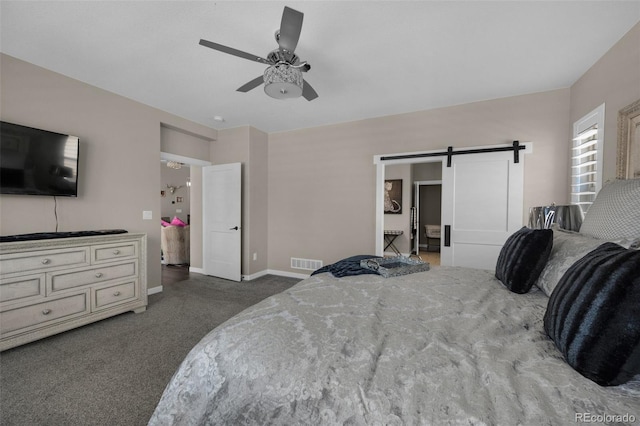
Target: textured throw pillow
{"type": "Point", "coordinates": [568, 247]}
{"type": "Point", "coordinates": [593, 315]}
{"type": "Point", "coordinates": [615, 213]}
{"type": "Point", "coordinates": [522, 258]}
{"type": "Point", "coordinates": [348, 266]}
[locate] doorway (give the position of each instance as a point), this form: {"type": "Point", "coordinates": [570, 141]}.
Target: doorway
{"type": "Point", "coordinates": [194, 218]}
{"type": "Point", "coordinates": [428, 204]}
{"type": "Point", "coordinates": [175, 214]}
{"type": "Point", "coordinates": [482, 199]}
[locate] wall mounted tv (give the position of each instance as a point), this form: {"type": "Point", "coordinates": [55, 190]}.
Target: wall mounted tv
{"type": "Point", "coordinates": [37, 162]}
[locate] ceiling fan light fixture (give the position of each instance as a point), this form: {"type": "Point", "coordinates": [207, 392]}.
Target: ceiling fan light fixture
{"type": "Point", "coordinates": [282, 81]}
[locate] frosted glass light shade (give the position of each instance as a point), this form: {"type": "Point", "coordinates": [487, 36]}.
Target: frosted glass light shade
{"type": "Point", "coordinates": [281, 81]}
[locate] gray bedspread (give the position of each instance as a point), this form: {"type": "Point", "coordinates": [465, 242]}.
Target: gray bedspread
{"type": "Point", "coordinates": [449, 346]}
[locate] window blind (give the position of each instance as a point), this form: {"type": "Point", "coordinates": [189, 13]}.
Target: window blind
{"type": "Point", "coordinates": [586, 159]}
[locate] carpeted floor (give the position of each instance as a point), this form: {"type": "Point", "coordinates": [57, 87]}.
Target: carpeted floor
{"type": "Point", "coordinates": [113, 372]}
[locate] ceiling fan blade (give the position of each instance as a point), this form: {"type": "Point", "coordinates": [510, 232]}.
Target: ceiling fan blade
{"type": "Point", "coordinates": [251, 85]}
{"type": "Point", "coordinates": [234, 52]}
{"type": "Point", "coordinates": [307, 91]}
{"type": "Point", "coordinates": [290, 28]}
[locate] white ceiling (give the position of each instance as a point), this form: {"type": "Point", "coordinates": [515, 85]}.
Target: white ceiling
{"type": "Point", "coordinates": [368, 59]}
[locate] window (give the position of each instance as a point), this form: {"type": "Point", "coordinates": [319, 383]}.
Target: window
{"type": "Point", "coordinates": [586, 158]}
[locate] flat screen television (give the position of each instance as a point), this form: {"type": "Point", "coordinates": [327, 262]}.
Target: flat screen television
{"type": "Point", "coordinates": [37, 162]}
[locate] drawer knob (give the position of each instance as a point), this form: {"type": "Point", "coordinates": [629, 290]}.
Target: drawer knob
{"type": "Point", "coordinates": [45, 261]}
{"type": "Point", "coordinates": [117, 293]}
{"type": "Point", "coordinates": [46, 311]}
{"type": "Point", "coordinates": [98, 274]}
{"type": "Point", "coordinates": [116, 251]}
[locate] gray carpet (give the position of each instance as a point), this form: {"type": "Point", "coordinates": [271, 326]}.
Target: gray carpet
{"type": "Point", "coordinates": [113, 372]}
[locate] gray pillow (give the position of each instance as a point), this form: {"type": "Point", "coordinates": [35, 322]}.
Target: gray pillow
{"type": "Point", "coordinates": [567, 248]}
{"type": "Point", "coordinates": [615, 213]}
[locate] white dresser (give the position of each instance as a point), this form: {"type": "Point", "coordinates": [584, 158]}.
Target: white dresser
{"type": "Point", "coordinates": [53, 285]}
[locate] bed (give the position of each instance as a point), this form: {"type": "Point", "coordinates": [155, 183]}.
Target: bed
{"type": "Point", "coordinates": [444, 346]}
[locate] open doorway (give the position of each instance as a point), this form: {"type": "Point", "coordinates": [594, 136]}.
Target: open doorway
{"type": "Point", "coordinates": [412, 199]}
{"type": "Point", "coordinates": [175, 191]}
{"type": "Point", "coordinates": [190, 208]}
{"type": "Point", "coordinates": [428, 229]}
{"type": "Point", "coordinates": [427, 201]}
{"type": "Point", "coordinates": [175, 213]}
{"type": "Point", "coordinates": [482, 199]}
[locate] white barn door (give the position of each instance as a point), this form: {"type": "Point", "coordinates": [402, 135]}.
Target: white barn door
{"type": "Point", "coordinates": [221, 220]}
{"type": "Point", "coordinates": [482, 205]}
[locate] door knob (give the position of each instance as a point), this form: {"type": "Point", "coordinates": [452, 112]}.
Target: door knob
{"type": "Point", "coordinates": [235, 228]}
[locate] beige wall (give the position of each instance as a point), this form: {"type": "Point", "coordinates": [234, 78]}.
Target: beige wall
{"type": "Point", "coordinates": [257, 251]}
{"type": "Point", "coordinates": [615, 81]}
{"type": "Point", "coordinates": [184, 143]}
{"type": "Point", "coordinates": [307, 193]}
{"type": "Point", "coordinates": [322, 180]}
{"type": "Point", "coordinates": [119, 155]}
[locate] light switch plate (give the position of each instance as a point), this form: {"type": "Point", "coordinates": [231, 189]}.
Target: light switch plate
{"type": "Point", "coordinates": [147, 215]}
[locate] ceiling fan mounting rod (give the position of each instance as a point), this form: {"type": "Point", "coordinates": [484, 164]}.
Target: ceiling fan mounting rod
{"type": "Point", "coordinates": [277, 56]}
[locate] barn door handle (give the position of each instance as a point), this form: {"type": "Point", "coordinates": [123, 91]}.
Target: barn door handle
{"type": "Point", "coordinates": [235, 228]}
{"type": "Point", "coordinates": [447, 235]}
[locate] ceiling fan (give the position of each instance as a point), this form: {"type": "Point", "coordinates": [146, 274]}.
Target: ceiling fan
{"type": "Point", "coordinates": [283, 78]}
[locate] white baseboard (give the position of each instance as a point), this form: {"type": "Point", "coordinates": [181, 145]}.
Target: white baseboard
{"type": "Point", "coordinates": [248, 277]}
{"type": "Point", "coordinates": [196, 270]}
{"type": "Point", "coordinates": [254, 276]}
{"type": "Point", "coordinates": [275, 272]}
{"type": "Point", "coordinates": [154, 290]}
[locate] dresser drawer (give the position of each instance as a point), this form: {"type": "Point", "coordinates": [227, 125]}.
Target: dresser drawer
{"type": "Point", "coordinates": [64, 280]}
{"type": "Point", "coordinates": [108, 252]}
{"type": "Point", "coordinates": [104, 297]}
{"type": "Point", "coordinates": [33, 315]}
{"type": "Point", "coordinates": [21, 288]}
{"type": "Point", "coordinates": [43, 259]}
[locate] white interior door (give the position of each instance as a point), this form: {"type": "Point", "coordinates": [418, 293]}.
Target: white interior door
{"type": "Point", "coordinates": [221, 220]}
{"type": "Point", "coordinates": [482, 197]}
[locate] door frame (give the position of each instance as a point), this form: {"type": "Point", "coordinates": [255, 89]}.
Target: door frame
{"type": "Point", "coordinates": [195, 196]}
{"type": "Point", "coordinates": [413, 158]}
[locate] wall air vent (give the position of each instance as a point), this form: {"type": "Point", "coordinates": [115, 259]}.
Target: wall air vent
{"type": "Point", "coordinates": [306, 264]}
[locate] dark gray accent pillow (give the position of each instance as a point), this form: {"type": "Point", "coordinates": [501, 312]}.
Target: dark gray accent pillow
{"type": "Point", "coordinates": [593, 315]}
{"type": "Point", "coordinates": [347, 267]}
{"type": "Point", "coordinates": [523, 257]}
